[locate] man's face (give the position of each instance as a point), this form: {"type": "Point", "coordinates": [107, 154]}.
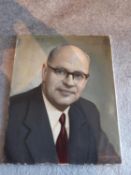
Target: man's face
{"type": "Point", "coordinates": [62, 92]}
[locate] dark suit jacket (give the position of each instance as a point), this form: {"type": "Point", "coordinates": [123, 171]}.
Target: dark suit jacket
{"type": "Point", "coordinates": [29, 138]}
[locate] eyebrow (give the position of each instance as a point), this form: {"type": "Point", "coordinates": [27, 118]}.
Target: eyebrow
{"type": "Point", "coordinates": [59, 67]}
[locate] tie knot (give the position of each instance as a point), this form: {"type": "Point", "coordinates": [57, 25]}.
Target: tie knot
{"type": "Point", "coordinates": [62, 119]}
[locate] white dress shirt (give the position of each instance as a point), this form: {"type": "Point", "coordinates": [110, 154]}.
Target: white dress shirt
{"type": "Point", "coordinates": [54, 115]}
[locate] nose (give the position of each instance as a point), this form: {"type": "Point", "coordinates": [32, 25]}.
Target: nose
{"type": "Point", "coordinates": [69, 80]}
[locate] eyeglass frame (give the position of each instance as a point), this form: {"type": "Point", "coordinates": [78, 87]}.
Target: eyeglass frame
{"type": "Point", "coordinates": [67, 73]}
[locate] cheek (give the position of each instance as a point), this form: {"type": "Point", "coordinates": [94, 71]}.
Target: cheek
{"type": "Point", "coordinates": [81, 88]}
{"type": "Point", "coordinates": [51, 85]}
{"type": "Point", "coordinates": [49, 81]}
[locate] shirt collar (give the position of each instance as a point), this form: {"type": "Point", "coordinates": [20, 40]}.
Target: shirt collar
{"type": "Point", "coordinates": [54, 114]}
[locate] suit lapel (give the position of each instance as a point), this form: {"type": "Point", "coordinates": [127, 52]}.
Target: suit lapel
{"type": "Point", "coordinates": [78, 141]}
{"type": "Point", "coordinates": [39, 140]}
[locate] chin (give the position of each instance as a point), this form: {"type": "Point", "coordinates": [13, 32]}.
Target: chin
{"type": "Point", "coordinates": [67, 103]}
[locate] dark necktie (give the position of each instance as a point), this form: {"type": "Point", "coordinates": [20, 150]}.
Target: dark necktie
{"type": "Point", "coordinates": [61, 143]}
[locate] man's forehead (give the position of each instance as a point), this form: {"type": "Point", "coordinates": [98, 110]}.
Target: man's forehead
{"type": "Point", "coordinates": [69, 53]}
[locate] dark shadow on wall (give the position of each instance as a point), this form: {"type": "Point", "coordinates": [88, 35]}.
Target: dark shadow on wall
{"type": "Point", "coordinates": [11, 15]}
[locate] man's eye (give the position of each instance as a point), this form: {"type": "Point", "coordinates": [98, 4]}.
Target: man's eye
{"type": "Point", "coordinates": [60, 71]}
{"type": "Point", "coordinates": [78, 76]}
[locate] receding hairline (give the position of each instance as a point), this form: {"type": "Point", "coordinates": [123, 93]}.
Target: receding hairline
{"type": "Point", "coordinates": [57, 49]}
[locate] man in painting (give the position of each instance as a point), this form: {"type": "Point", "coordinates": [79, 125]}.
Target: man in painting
{"type": "Point", "coordinates": [52, 123]}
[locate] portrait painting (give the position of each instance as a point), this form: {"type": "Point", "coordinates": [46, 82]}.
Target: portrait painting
{"type": "Point", "coordinates": [62, 106]}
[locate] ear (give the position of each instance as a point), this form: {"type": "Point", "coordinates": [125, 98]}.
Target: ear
{"type": "Point", "coordinates": [44, 71]}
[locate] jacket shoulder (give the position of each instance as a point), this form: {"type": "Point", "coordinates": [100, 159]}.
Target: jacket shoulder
{"type": "Point", "coordinates": [25, 96]}
{"type": "Point", "coordinates": [86, 105]}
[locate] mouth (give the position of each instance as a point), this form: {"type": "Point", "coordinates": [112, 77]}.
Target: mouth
{"type": "Point", "coordinates": [66, 92]}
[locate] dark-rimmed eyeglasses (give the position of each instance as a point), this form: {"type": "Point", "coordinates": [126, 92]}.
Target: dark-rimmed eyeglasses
{"type": "Point", "coordinates": [62, 73]}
